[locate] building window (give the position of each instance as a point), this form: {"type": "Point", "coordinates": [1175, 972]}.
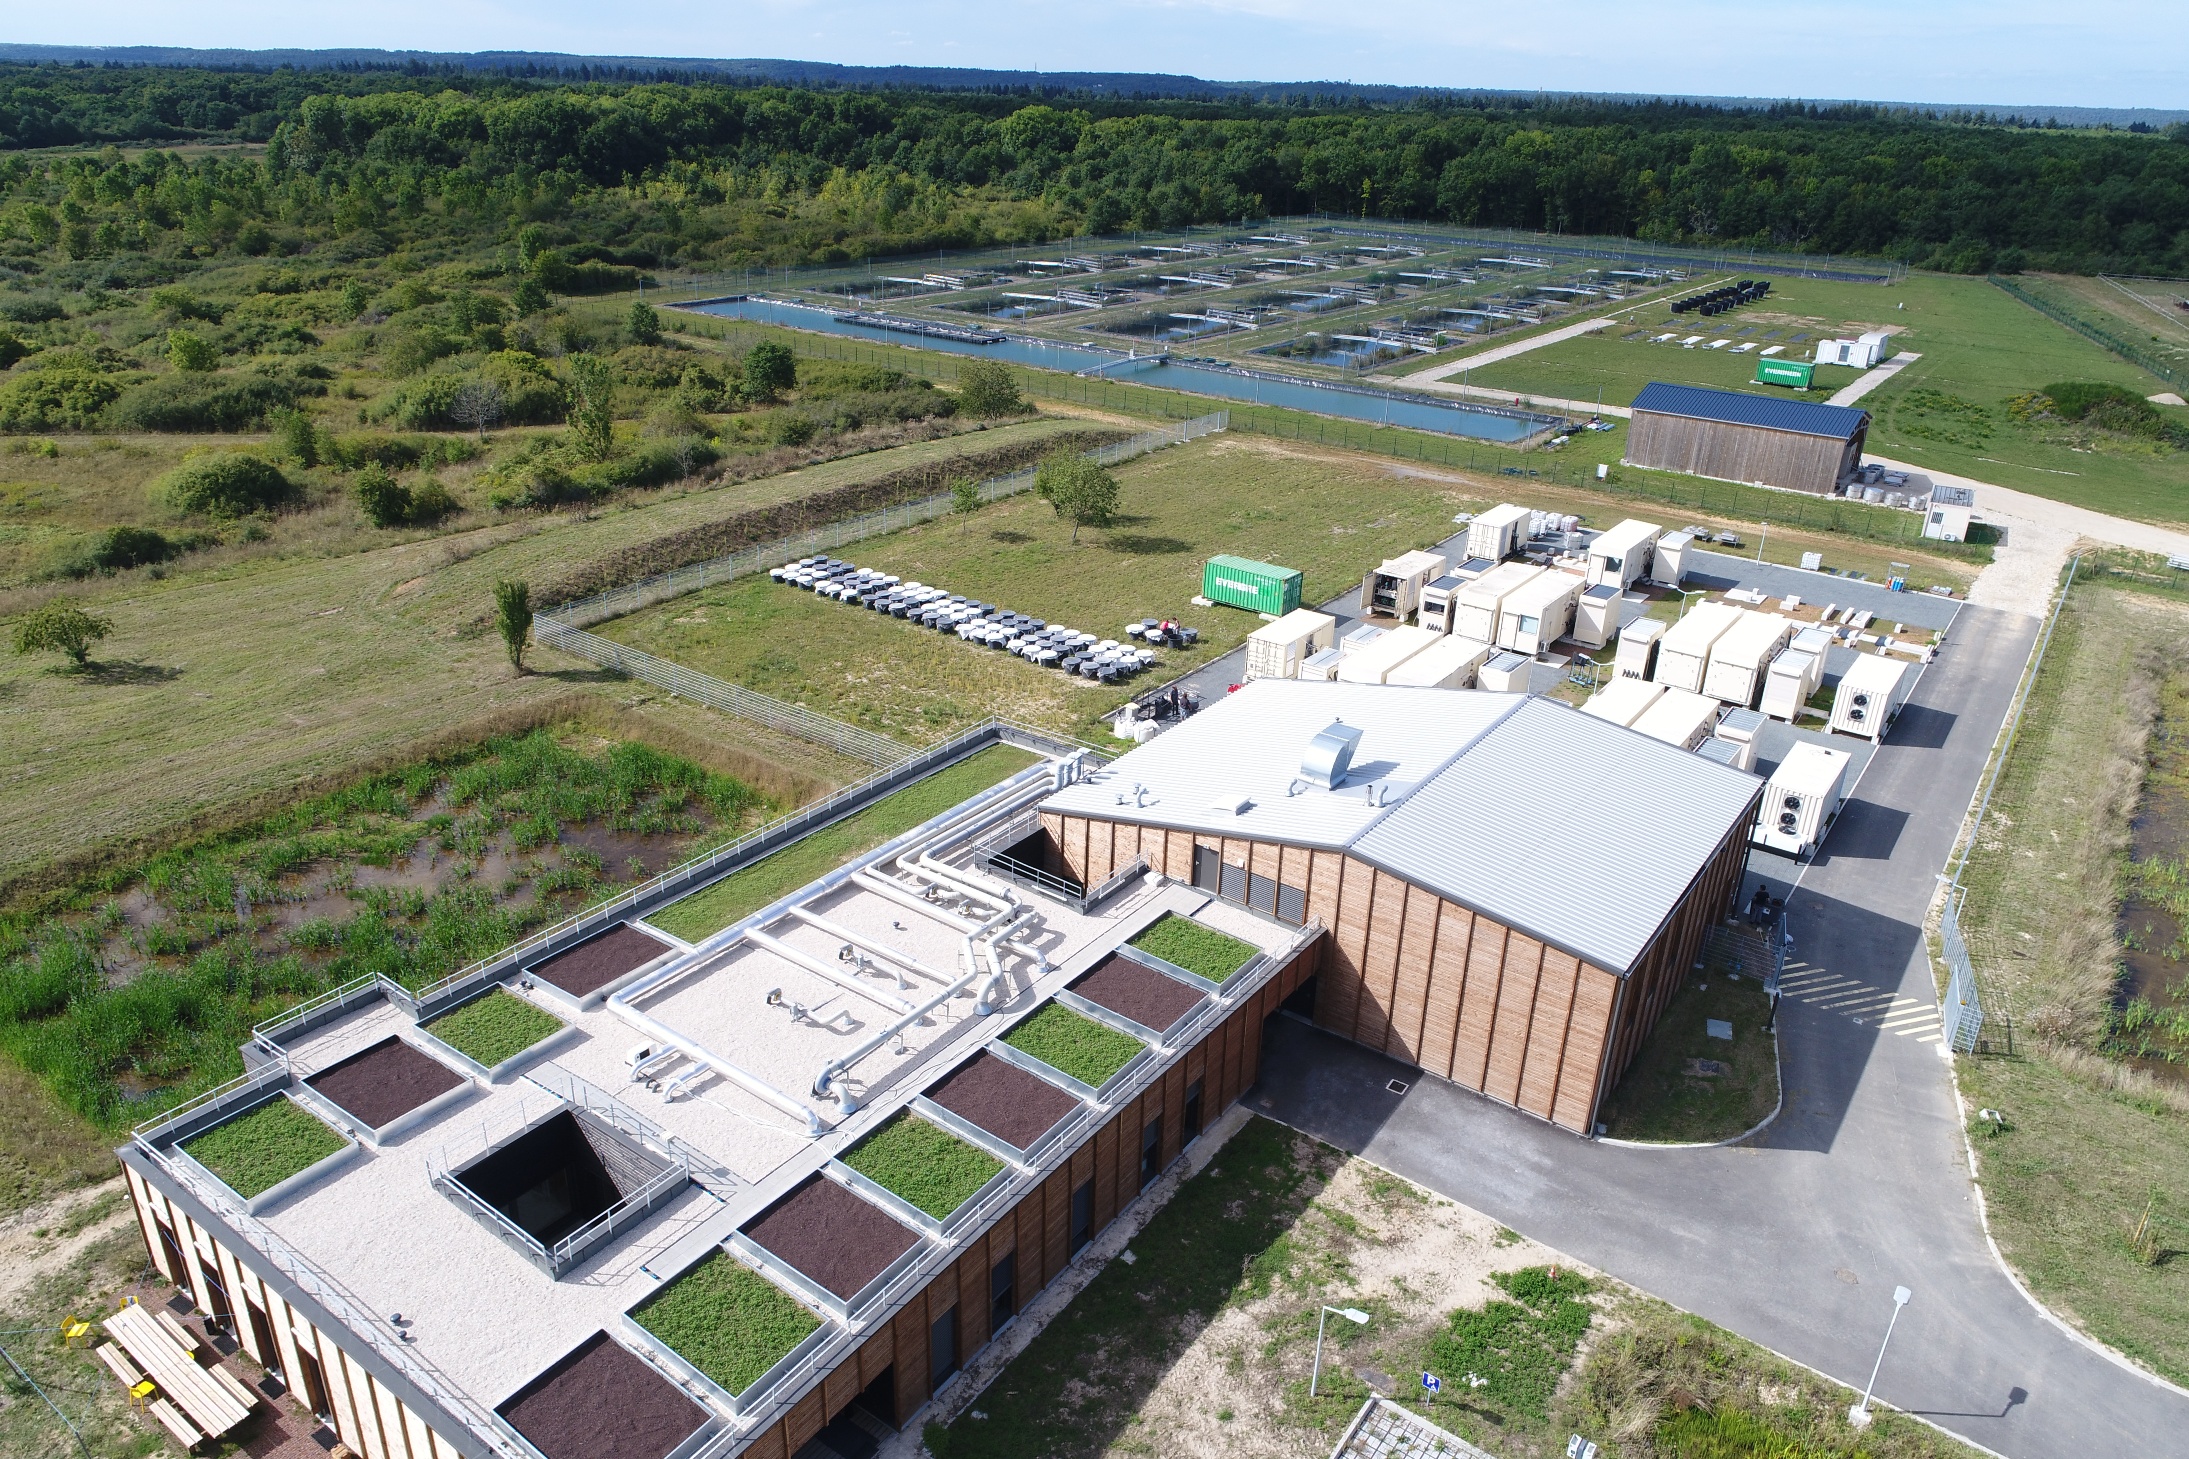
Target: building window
{"type": "Point", "coordinates": [1291, 905]}
{"type": "Point", "coordinates": [1261, 894]}
{"type": "Point", "coordinates": [942, 1350]}
{"type": "Point", "coordinates": [1151, 1151]}
{"type": "Point", "coordinates": [1193, 1112]}
{"type": "Point", "coordinates": [1082, 1215]}
{"type": "Point", "coordinates": [1206, 867]}
{"type": "Point", "coordinates": [1002, 1293]}
{"type": "Point", "coordinates": [1235, 883]}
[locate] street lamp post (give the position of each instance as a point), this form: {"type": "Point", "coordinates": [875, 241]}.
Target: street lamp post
{"type": "Point", "coordinates": [1350, 1314]}
{"type": "Point", "coordinates": [1859, 1414]}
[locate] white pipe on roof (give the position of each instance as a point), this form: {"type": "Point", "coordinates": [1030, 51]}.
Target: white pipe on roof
{"type": "Point", "coordinates": [868, 944]}
{"type": "Point", "coordinates": [821, 969]}
{"type": "Point", "coordinates": [752, 1084]}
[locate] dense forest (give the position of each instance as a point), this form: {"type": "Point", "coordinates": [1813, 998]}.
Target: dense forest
{"type": "Point", "coordinates": [706, 174]}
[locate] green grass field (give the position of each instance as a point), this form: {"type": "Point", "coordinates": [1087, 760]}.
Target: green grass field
{"type": "Point", "coordinates": [225, 685]}
{"type": "Point", "coordinates": [715, 906]}
{"type": "Point", "coordinates": [1979, 345]}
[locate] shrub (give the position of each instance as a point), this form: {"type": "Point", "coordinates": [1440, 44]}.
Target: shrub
{"type": "Point", "coordinates": [424, 404]}
{"type": "Point", "coordinates": [194, 352]}
{"type": "Point", "coordinates": [207, 402]}
{"type": "Point", "coordinates": [530, 395]}
{"type": "Point", "coordinates": [56, 399]}
{"type": "Point", "coordinates": [769, 370]}
{"type": "Point", "coordinates": [12, 348]}
{"type": "Point", "coordinates": [792, 428]}
{"type": "Point", "coordinates": [232, 485]}
{"type": "Point", "coordinates": [643, 324]}
{"type": "Point", "coordinates": [2114, 408]}
{"type": "Point", "coordinates": [528, 297]}
{"type": "Point", "coordinates": [384, 500]}
{"type": "Point", "coordinates": [986, 390]}
{"type": "Point", "coordinates": [592, 408]}
{"type": "Point", "coordinates": [125, 547]}
{"type": "Point", "coordinates": [61, 628]}
{"type": "Point", "coordinates": [513, 619]}
{"type": "Point", "coordinates": [354, 449]}
{"type": "Point", "coordinates": [409, 349]}
{"type": "Point", "coordinates": [430, 502]}
{"type": "Point", "coordinates": [656, 367]}
{"type": "Point", "coordinates": [33, 311]}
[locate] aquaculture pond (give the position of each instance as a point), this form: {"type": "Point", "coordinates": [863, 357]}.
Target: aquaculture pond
{"type": "Point", "coordinates": [132, 988]}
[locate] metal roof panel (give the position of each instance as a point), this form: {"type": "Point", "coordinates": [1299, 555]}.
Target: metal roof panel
{"type": "Point", "coordinates": [1738, 408]}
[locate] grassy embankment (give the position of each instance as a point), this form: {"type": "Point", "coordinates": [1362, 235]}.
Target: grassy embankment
{"type": "Point", "coordinates": [1328, 513]}
{"type": "Point", "coordinates": [1980, 347]}
{"type": "Point", "coordinates": [1203, 1343]}
{"type": "Point", "coordinates": [2087, 1185]}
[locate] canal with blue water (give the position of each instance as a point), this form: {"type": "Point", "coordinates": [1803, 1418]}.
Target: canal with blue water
{"type": "Point", "coordinates": [1351, 402]}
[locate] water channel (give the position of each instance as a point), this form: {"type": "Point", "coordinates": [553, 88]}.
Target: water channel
{"type": "Point", "coordinates": [1351, 402]}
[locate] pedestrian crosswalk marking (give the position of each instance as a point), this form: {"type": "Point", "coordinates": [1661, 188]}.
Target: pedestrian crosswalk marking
{"type": "Point", "coordinates": [1866, 1004]}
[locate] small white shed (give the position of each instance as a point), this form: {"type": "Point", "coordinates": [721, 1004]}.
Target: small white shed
{"type": "Point", "coordinates": [1793, 677]}
{"type": "Point", "coordinates": [1538, 613]}
{"type": "Point", "coordinates": [1670, 565]}
{"type": "Point", "coordinates": [1276, 650]}
{"type": "Point", "coordinates": [1742, 653]}
{"type": "Point", "coordinates": [1476, 612]}
{"type": "Point", "coordinates": [1497, 533]}
{"type": "Point", "coordinates": [1680, 717]}
{"type": "Point", "coordinates": [1802, 799]}
{"type": "Point", "coordinates": [1449, 663]}
{"type": "Point", "coordinates": [1637, 655]}
{"type": "Point", "coordinates": [1393, 590]}
{"type": "Point", "coordinates": [1623, 701]}
{"type": "Point", "coordinates": [1684, 651]}
{"type": "Point", "coordinates": [1373, 664]}
{"type": "Point", "coordinates": [1596, 615]}
{"type": "Point", "coordinates": [1870, 696]}
{"type": "Point", "coordinates": [1623, 554]}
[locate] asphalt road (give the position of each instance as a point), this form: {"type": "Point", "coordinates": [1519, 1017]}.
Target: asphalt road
{"type": "Point", "coordinates": [1797, 1238]}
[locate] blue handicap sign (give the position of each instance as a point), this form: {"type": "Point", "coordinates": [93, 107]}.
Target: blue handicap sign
{"type": "Point", "coordinates": [1432, 1383]}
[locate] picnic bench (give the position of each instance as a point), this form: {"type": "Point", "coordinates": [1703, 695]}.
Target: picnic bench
{"type": "Point", "coordinates": [196, 1402]}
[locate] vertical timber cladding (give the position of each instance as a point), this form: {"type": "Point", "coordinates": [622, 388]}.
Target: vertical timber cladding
{"type": "Point", "coordinates": [1444, 988]}
{"type": "Point", "coordinates": [368, 1417]}
{"type": "Point", "coordinates": [1744, 453]}
{"type": "Point", "coordinates": [1038, 1228]}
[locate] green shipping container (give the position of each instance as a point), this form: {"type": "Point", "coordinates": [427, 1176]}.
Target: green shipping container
{"type": "Point", "coordinates": [1785, 372]}
{"type": "Point", "coordinates": [1256, 586]}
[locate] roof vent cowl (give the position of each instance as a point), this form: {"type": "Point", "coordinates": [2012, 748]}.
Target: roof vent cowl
{"type": "Point", "coordinates": [1329, 755]}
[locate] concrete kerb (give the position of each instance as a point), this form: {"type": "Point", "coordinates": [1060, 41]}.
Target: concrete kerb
{"type": "Point", "coordinates": [958, 1395]}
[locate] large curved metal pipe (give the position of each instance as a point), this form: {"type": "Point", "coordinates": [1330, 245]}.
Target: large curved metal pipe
{"type": "Point", "coordinates": [821, 969]}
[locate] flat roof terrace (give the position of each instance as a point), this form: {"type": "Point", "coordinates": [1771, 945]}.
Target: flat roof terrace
{"type": "Point", "coordinates": [909, 963]}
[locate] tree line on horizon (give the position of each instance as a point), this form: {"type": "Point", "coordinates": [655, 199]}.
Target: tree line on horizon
{"type": "Point", "coordinates": [716, 175]}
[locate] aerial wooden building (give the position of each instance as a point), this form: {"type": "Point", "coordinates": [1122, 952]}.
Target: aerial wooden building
{"type": "Point", "coordinates": [1757, 439]}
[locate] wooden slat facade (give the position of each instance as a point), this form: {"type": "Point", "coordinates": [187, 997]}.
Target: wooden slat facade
{"type": "Point", "coordinates": [1037, 1229]}
{"type": "Point", "coordinates": [1753, 454]}
{"type": "Point", "coordinates": [1443, 987]}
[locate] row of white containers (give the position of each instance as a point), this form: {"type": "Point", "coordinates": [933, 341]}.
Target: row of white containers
{"type": "Point", "coordinates": [1762, 660]}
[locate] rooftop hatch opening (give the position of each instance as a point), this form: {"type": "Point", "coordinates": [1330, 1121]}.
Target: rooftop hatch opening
{"type": "Point", "coordinates": [559, 1188]}
{"type": "Point", "coordinates": [1329, 755]}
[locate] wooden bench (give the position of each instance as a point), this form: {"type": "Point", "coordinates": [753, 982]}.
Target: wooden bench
{"type": "Point", "coordinates": [171, 1419]}
{"type": "Point", "coordinates": [237, 1388]}
{"type": "Point", "coordinates": [117, 1363]}
{"type": "Point", "coordinates": [177, 1331]}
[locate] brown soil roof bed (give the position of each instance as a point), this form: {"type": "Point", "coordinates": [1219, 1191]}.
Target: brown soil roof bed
{"type": "Point", "coordinates": [599, 960]}
{"type": "Point", "coordinates": [1003, 1099]}
{"type": "Point", "coordinates": [1151, 999]}
{"type": "Point", "coordinates": [832, 1236]}
{"type": "Point", "coordinates": [602, 1402]}
{"type": "Point", "coordinates": [385, 1082]}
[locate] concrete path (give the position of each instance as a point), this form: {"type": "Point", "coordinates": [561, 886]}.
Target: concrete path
{"type": "Point", "coordinates": [1546, 402]}
{"type": "Point", "coordinates": [1997, 503]}
{"type": "Point", "coordinates": [1874, 378]}
{"type": "Point", "coordinates": [1796, 1238]}
{"type": "Point", "coordinates": [1508, 351]}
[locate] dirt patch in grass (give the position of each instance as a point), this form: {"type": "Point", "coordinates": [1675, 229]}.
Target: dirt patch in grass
{"type": "Point", "coordinates": [717, 905]}
{"type": "Point", "coordinates": [922, 1163]}
{"type": "Point", "coordinates": [1003, 1099]}
{"type": "Point", "coordinates": [1074, 1044]}
{"type": "Point", "coordinates": [1686, 1086]}
{"type": "Point", "coordinates": [831, 1235]}
{"type": "Point", "coordinates": [726, 1320]}
{"type": "Point", "coordinates": [1202, 951]}
{"type": "Point", "coordinates": [255, 1152]}
{"type": "Point", "coordinates": [494, 1028]}
{"type": "Point", "coordinates": [1136, 991]}
{"type": "Point", "coordinates": [385, 1082]}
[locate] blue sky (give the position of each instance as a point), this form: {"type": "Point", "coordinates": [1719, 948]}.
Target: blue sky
{"type": "Point", "coordinates": [2011, 52]}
